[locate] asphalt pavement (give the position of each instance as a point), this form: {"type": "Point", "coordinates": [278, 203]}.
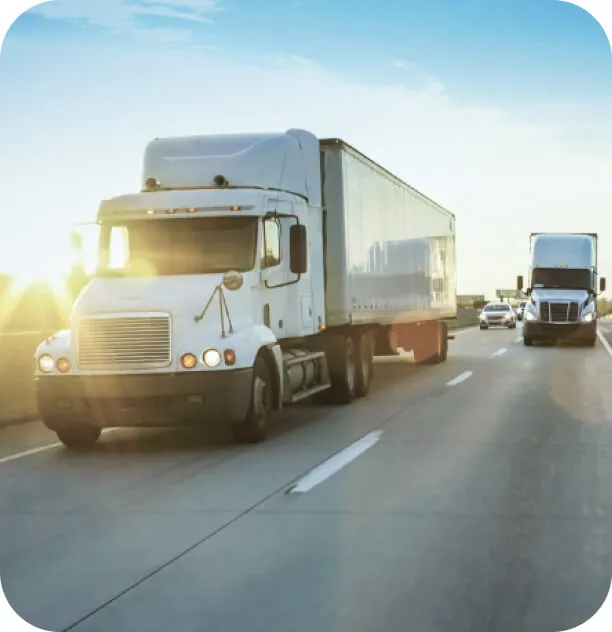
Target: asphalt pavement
{"type": "Point", "coordinates": [470, 496]}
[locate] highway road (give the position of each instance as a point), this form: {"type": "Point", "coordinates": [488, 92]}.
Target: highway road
{"type": "Point", "coordinates": [478, 497]}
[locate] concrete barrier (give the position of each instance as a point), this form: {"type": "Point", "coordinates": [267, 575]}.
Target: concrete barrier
{"type": "Point", "coordinates": [17, 397]}
{"type": "Point", "coordinates": [465, 318]}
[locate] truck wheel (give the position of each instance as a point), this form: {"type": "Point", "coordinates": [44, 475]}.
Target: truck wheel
{"type": "Point", "coordinates": [441, 353]}
{"type": "Point", "coordinates": [344, 372]}
{"type": "Point", "coordinates": [254, 429]}
{"type": "Point", "coordinates": [365, 357]}
{"type": "Point", "coordinates": [79, 437]}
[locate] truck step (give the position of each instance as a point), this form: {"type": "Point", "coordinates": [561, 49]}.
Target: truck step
{"type": "Point", "coordinates": [301, 395]}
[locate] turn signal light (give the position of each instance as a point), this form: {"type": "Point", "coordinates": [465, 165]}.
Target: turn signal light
{"type": "Point", "coordinates": [229, 356]}
{"type": "Point", "coordinates": [188, 361]}
{"type": "Point", "coordinates": [63, 365]}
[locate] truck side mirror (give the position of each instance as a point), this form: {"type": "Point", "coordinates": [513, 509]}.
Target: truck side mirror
{"type": "Point", "coordinates": [602, 284]}
{"type": "Point", "coordinates": [298, 249]}
{"type": "Point", "coordinates": [519, 283]}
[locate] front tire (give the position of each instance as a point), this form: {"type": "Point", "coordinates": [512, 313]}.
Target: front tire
{"type": "Point", "coordinates": [254, 429]}
{"type": "Point", "coordinates": [79, 437]}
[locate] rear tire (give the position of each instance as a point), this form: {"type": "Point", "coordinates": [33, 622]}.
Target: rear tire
{"type": "Point", "coordinates": [343, 370]}
{"type": "Point", "coordinates": [441, 346]}
{"type": "Point", "coordinates": [365, 364]}
{"type": "Point", "coordinates": [79, 437]}
{"type": "Point", "coordinates": [254, 429]}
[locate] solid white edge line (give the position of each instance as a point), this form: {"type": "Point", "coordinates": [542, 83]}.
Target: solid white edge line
{"type": "Point", "coordinates": [335, 463]}
{"type": "Point", "coordinates": [604, 342]}
{"type": "Point", "coordinates": [42, 448]}
{"type": "Point", "coordinates": [460, 378]}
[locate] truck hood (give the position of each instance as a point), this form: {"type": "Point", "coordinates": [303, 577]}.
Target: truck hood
{"type": "Point", "coordinates": [183, 297]}
{"type": "Point", "coordinates": [543, 294]}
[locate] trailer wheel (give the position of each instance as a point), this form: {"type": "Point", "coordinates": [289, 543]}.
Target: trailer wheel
{"type": "Point", "coordinates": [365, 364]}
{"type": "Point", "coordinates": [79, 437]}
{"type": "Point", "coordinates": [441, 353]}
{"type": "Point", "coordinates": [254, 429]}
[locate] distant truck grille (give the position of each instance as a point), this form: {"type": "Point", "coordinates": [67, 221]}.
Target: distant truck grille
{"type": "Point", "coordinates": [135, 342]}
{"type": "Point", "coordinates": [559, 312]}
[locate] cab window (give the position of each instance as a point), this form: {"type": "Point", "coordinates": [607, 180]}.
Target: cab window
{"type": "Point", "coordinates": [271, 243]}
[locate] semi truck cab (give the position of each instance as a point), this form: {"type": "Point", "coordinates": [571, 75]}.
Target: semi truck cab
{"type": "Point", "coordinates": [237, 280]}
{"type": "Point", "coordinates": [563, 288]}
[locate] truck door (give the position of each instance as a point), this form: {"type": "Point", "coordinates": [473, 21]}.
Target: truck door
{"type": "Point", "coordinates": [273, 290]}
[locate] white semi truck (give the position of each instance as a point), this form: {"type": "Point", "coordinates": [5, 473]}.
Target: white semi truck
{"type": "Point", "coordinates": [251, 271]}
{"type": "Point", "coordinates": [562, 289]}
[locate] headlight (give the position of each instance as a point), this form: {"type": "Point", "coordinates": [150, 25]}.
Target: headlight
{"type": "Point", "coordinates": [188, 361]}
{"type": "Point", "coordinates": [587, 318]}
{"type": "Point", "coordinates": [211, 358]}
{"type": "Point", "coordinates": [482, 316]}
{"type": "Point", "coordinates": [46, 363]}
{"type": "Point", "coordinates": [529, 315]}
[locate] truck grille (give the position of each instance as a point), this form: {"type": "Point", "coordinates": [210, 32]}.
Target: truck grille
{"type": "Point", "coordinates": [559, 312]}
{"type": "Point", "coordinates": [135, 342]}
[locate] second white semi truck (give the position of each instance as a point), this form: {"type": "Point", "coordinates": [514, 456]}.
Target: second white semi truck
{"type": "Point", "coordinates": [250, 272]}
{"type": "Point", "coordinates": [562, 288]}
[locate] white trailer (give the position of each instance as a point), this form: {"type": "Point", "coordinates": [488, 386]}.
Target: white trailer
{"type": "Point", "coordinates": [251, 271]}
{"type": "Point", "coordinates": [563, 282]}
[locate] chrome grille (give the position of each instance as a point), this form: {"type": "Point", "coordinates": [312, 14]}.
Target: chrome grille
{"type": "Point", "coordinates": [559, 312]}
{"type": "Point", "coordinates": [133, 342]}
{"type": "Point", "coordinates": [573, 312]}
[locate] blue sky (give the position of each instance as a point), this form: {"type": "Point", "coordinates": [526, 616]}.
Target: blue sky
{"type": "Point", "coordinates": [496, 109]}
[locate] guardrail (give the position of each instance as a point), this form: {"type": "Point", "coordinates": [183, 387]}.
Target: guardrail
{"type": "Point", "coordinates": [17, 395]}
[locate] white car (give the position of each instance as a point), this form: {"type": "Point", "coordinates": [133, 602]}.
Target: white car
{"type": "Point", "coordinates": [497, 315]}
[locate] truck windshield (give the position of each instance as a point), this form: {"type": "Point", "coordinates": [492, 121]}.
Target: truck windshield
{"type": "Point", "coordinates": [178, 246]}
{"type": "Point", "coordinates": [561, 278]}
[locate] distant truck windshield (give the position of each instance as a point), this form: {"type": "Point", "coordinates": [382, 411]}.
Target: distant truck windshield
{"type": "Point", "coordinates": [561, 278]}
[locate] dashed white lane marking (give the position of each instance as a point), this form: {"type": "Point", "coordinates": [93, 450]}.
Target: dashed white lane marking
{"type": "Point", "coordinates": [460, 378]}
{"type": "Point", "coordinates": [499, 352]}
{"type": "Point", "coordinates": [42, 448]}
{"type": "Point", "coordinates": [334, 464]}
{"type": "Point", "coordinates": [604, 342]}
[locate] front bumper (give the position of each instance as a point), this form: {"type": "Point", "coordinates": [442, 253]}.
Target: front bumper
{"type": "Point", "coordinates": [144, 400]}
{"type": "Point", "coordinates": [497, 323]}
{"type": "Point", "coordinates": [553, 331]}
